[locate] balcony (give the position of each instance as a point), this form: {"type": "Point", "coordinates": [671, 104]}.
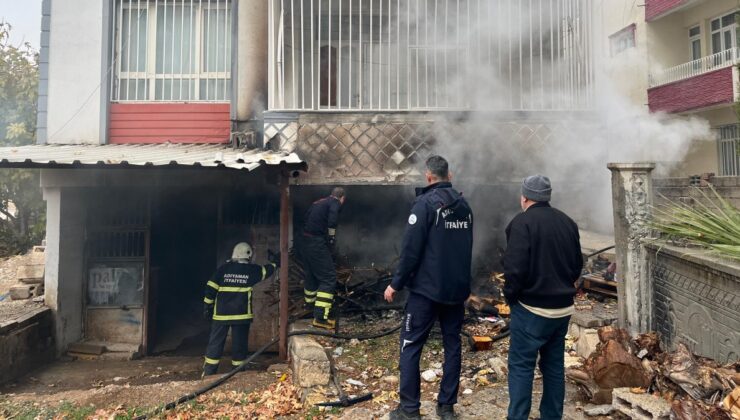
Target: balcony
{"type": "Point", "coordinates": [396, 56]}
{"type": "Point", "coordinates": [656, 9]}
{"type": "Point", "coordinates": [698, 84]}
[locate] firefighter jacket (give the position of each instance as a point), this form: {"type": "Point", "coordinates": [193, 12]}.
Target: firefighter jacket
{"type": "Point", "coordinates": [322, 216]}
{"type": "Point", "coordinates": [437, 246]}
{"type": "Point", "coordinates": [230, 291]}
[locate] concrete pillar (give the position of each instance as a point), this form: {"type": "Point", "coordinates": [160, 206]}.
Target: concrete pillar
{"type": "Point", "coordinates": [252, 51]}
{"type": "Point", "coordinates": [632, 200]}
{"type": "Point", "coordinates": [63, 281]}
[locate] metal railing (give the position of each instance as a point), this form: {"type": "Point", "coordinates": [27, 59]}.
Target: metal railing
{"type": "Point", "coordinates": [171, 51]}
{"type": "Point", "coordinates": [695, 68]}
{"type": "Point", "coordinates": [728, 143]}
{"type": "Point", "coordinates": [349, 55]}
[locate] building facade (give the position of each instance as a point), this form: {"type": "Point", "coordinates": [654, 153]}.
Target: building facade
{"type": "Point", "coordinates": [680, 57]}
{"type": "Point", "coordinates": [169, 130]}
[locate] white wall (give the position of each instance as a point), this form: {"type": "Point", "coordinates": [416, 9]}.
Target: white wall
{"type": "Point", "coordinates": [75, 71]}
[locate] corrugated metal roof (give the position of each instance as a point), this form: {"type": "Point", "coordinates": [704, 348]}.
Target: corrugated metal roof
{"type": "Point", "coordinates": [146, 155]}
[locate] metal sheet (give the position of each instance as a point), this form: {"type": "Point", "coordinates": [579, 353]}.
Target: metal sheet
{"type": "Point", "coordinates": [145, 155]}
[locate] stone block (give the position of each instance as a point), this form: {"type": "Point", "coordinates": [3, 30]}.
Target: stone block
{"type": "Point", "coordinates": [31, 274]}
{"type": "Point", "coordinates": [588, 319]}
{"type": "Point", "coordinates": [640, 406]}
{"type": "Point", "coordinates": [587, 342]}
{"type": "Point", "coordinates": [22, 291]}
{"type": "Point", "coordinates": [310, 364]}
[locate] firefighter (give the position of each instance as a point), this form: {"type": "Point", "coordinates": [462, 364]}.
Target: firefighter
{"type": "Point", "coordinates": [228, 304]}
{"type": "Point", "coordinates": [317, 247]}
{"type": "Point", "coordinates": [435, 267]}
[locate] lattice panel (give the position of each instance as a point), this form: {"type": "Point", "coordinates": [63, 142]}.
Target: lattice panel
{"type": "Point", "coordinates": [394, 151]}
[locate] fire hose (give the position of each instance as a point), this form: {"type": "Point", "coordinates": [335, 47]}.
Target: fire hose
{"type": "Point", "coordinates": [243, 366]}
{"type": "Point", "coordinates": [229, 375]}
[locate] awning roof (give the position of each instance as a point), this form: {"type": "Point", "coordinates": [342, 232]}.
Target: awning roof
{"type": "Point", "coordinates": [144, 155]}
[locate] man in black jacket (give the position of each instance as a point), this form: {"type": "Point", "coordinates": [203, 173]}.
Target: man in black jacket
{"type": "Point", "coordinates": [543, 260]}
{"type": "Point", "coordinates": [316, 247]}
{"type": "Point", "coordinates": [228, 303]}
{"type": "Point", "coordinates": [435, 267]}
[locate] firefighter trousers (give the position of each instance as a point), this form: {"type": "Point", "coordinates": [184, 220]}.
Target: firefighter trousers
{"type": "Point", "coordinates": [421, 314]}
{"type": "Point", "coordinates": [321, 277]}
{"type": "Point", "coordinates": [239, 344]}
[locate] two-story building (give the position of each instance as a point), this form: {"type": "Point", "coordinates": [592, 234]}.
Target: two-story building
{"type": "Point", "coordinates": [680, 57]}
{"type": "Point", "coordinates": [169, 130]}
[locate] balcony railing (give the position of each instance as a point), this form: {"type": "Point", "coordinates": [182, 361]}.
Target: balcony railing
{"type": "Point", "coordinates": [695, 68]}
{"type": "Point", "coordinates": [398, 55]}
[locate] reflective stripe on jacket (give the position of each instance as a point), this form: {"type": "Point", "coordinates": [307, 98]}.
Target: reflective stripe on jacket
{"type": "Point", "coordinates": [230, 291]}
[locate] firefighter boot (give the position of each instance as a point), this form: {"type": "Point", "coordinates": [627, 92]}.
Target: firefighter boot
{"type": "Point", "coordinates": [325, 323]}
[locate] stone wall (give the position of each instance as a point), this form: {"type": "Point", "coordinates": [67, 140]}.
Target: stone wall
{"type": "Point", "coordinates": [680, 189]}
{"type": "Point", "coordinates": [695, 300]}
{"type": "Point", "coordinates": [26, 343]}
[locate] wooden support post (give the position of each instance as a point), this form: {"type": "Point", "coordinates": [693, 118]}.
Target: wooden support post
{"type": "Point", "coordinates": [284, 258]}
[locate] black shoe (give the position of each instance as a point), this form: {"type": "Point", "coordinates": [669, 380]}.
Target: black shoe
{"type": "Point", "coordinates": [399, 414]}
{"type": "Point", "coordinates": [446, 412]}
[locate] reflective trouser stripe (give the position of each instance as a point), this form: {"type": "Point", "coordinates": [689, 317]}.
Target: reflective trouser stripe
{"type": "Point", "coordinates": [237, 362]}
{"type": "Point", "coordinates": [325, 305]}
{"type": "Point", "coordinates": [324, 295]}
{"type": "Point", "coordinates": [208, 301]}
{"type": "Point", "coordinates": [211, 361]}
{"type": "Point", "coordinates": [309, 295]}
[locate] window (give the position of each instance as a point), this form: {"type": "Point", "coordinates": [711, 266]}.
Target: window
{"type": "Point", "coordinates": [695, 42]}
{"type": "Point", "coordinates": [723, 33]}
{"type": "Point", "coordinates": [622, 40]}
{"type": "Point", "coordinates": [728, 139]}
{"type": "Point", "coordinates": [171, 51]}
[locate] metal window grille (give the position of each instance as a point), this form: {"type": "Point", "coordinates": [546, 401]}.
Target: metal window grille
{"type": "Point", "coordinates": [728, 139]}
{"type": "Point", "coordinates": [171, 51]}
{"type": "Point", "coordinates": [411, 54]}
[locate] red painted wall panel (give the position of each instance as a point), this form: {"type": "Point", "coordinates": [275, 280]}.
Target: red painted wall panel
{"type": "Point", "coordinates": [655, 8]}
{"type": "Point", "coordinates": [701, 91]}
{"type": "Point", "coordinates": [176, 123]}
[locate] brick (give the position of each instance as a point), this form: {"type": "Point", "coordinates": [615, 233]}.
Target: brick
{"type": "Point", "coordinates": [656, 8]}
{"type": "Point", "coordinates": [30, 273]}
{"type": "Point", "coordinates": [640, 406]}
{"type": "Point", "coordinates": [713, 88]}
{"type": "Point", "coordinates": [20, 292]}
{"type": "Point", "coordinates": [309, 361]}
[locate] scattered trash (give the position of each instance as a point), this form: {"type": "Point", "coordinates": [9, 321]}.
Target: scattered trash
{"type": "Point", "coordinates": [355, 382]}
{"type": "Point", "coordinates": [467, 391]}
{"type": "Point", "coordinates": [338, 351]}
{"type": "Point", "coordinates": [429, 375]}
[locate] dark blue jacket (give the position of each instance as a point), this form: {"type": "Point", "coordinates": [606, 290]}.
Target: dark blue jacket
{"type": "Point", "coordinates": [322, 216]}
{"type": "Point", "coordinates": [437, 246]}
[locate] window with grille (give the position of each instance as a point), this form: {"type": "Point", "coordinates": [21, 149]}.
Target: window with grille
{"type": "Point", "coordinates": [729, 146]}
{"type": "Point", "coordinates": [171, 51]}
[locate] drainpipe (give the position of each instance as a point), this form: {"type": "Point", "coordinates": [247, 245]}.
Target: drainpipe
{"type": "Point", "coordinates": [284, 235]}
{"type": "Point", "coordinates": [251, 78]}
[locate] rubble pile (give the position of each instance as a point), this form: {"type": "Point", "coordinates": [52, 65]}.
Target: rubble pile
{"type": "Point", "coordinates": [690, 386]}
{"type": "Point", "coordinates": [29, 276]}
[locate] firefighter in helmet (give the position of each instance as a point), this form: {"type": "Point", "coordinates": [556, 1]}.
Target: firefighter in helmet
{"type": "Point", "coordinates": [228, 304]}
{"type": "Point", "coordinates": [317, 248]}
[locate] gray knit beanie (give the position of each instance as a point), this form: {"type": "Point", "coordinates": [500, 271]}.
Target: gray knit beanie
{"type": "Point", "coordinates": [537, 188]}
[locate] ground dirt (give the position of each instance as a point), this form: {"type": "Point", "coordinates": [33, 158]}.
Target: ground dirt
{"type": "Point", "coordinates": [120, 389]}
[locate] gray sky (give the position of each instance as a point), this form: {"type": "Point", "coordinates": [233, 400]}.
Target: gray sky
{"type": "Point", "coordinates": [25, 16]}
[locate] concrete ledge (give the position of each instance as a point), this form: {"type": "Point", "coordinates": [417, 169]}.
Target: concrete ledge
{"type": "Point", "coordinates": [310, 364]}
{"type": "Point", "coordinates": [640, 406]}
{"type": "Point", "coordinates": [26, 343]}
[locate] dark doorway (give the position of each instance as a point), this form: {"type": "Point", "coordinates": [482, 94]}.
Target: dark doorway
{"type": "Point", "coordinates": [183, 256]}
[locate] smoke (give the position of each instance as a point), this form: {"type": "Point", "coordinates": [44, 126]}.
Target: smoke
{"type": "Point", "coordinates": [543, 101]}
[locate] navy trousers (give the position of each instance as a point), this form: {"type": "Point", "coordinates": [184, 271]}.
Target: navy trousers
{"type": "Point", "coordinates": [421, 313]}
{"type": "Point", "coordinates": [532, 335]}
{"type": "Point", "coordinates": [239, 345]}
{"type": "Point", "coordinates": [321, 276]}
